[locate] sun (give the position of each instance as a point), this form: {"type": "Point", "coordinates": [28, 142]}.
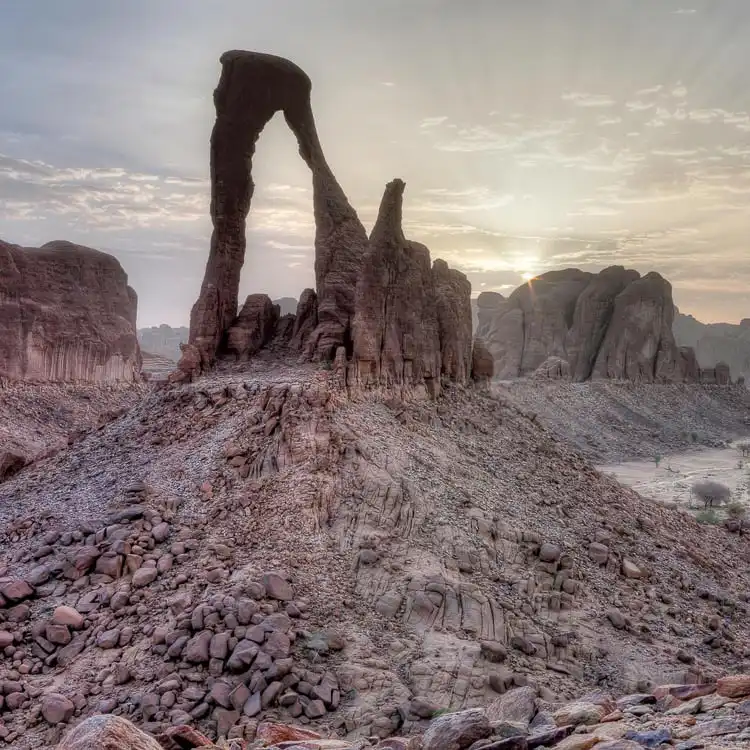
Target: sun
{"type": "Point", "coordinates": [528, 275]}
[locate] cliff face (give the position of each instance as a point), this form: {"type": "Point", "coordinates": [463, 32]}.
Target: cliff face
{"type": "Point", "coordinates": [612, 325]}
{"type": "Point", "coordinates": [66, 314]}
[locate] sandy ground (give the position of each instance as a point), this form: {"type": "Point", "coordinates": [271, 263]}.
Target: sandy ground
{"type": "Point", "coordinates": [670, 482]}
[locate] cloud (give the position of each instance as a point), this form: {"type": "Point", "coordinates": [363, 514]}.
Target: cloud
{"type": "Point", "coordinates": [684, 12]}
{"type": "Point", "coordinates": [581, 99]}
{"type": "Point", "coordinates": [433, 122]}
{"type": "Point", "coordinates": [639, 106]}
{"type": "Point", "coordinates": [649, 91]}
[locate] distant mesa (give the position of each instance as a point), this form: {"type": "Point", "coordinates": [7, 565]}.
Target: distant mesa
{"type": "Point", "coordinates": [66, 314]}
{"type": "Point", "coordinates": [576, 325]}
{"type": "Point", "coordinates": [381, 312]}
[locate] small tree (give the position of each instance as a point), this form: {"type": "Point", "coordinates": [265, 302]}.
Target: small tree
{"type": "Point", "coordinates": [744, 448]}
{"type": "Point", "coordinates": [711, 493]}
{"type": "Point", "coordinates": [657, 460]}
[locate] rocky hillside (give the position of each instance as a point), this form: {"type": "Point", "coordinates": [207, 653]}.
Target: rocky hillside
{"type": "Point", "coordinates": [66, 314]}
{"type": "Point", "coordinates": [262, 543]}
{"type": "Point", "coordinates": [37, 420]}
{"type": "Point", "coordinates": [612, 422]}
{"type": "Point", "coordinates": [716, 342]}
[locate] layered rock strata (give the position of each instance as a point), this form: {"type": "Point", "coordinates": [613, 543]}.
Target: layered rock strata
{"type": "Point", "coordinates": [66, 314]}
{"type": "Point", "coordinates": [252, 88]}
{"type": "Point", "coordinates": [613, 325]}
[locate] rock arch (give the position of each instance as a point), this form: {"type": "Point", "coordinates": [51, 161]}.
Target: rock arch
{"type": "Point", "coordinates": [252, 88]}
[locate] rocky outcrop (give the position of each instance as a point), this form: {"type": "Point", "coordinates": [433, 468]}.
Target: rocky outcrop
{"type": "Point", "coordinates": [719, 375]}
{"type": "Point", "coordinates": [66, 314]}
{"type": "Point", "coordinates": [254, 327]}
{"type": "Point", "coordinates": [412, 322]}
{"type": "Point", "coordinates": [614, 325]}
{"type": "Point", "coordinates": [715, 342]}
{"type": "Point", "coordinates": [553, 368]}
{"type": "Point", "coordinates": [639, 344]}
{"type": "Point", "coordinates": [453, 295]}
{"type": "Point", "coordinates": [108, 732]}
{"type": "Point", "coordinates": [305, 320]}
{"type": "Point", "coordinates": [396, 332]}
{"type": "Point", "coordinates": [252, 88]}
{"type": "Point", "coordinates": [482, 365]}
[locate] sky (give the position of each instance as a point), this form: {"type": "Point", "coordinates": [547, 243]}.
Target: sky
{"type": "Point", "coordinates": [532, 135]}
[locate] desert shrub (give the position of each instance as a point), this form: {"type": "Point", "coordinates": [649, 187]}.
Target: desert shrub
{"type": "Point", "coordinates": [709, 516]}
{"type": "Point", "coordinates": [711, 493]}
{"type": "Point", "coordinates": [736, 510]}
{"type": "Point", "coordinates": [744, 448]}
{"type": "Point", "coordinates": [657, 460]}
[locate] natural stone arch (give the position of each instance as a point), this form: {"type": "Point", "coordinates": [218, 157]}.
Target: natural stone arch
{"type": "Point", "coordinates": [252, 88]}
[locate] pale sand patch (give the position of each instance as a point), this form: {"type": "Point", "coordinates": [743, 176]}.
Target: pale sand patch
{"type": "Point", "coordinates": [670, 482]}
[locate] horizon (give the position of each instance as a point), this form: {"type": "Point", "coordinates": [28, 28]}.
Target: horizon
{"type": "Point", "coordinates": [530, 138]}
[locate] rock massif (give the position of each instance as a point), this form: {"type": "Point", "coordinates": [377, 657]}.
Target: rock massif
{"type": "Point", "coordinates": [380, 310]}
{"type": "Point", "coordinates": [613, 325]}
{"type": "Point", "coordinates": [66, 314]}
{"type": "Point", "coordinates": [252, 88]}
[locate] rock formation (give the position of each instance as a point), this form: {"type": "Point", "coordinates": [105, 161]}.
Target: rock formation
{"type": "Point", "coordinates": [453, 295]}
{"type": "Point", "coordinates": [396, 330]}
{"type": "Point", "coordinates": [715, 342]}
{"type": "Point", "coordinates": [412, 322]}
{"type": "Point", "coordinates": [614, 325]}
{"type": "Point", "coordinates": [639, 344]}
{"type": "Point", "coordinates": [252, 88]}
{"type": "Point", "coordinates": [305, 320]}
{"type": "Point", "coordinates": [719, 375]}
{"type": "Point", "coordinates": [66, 314]}
{"type": "Point", "coordinates": [254, 327]}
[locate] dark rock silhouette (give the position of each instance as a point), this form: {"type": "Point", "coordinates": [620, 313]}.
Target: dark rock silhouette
{"type": "Point", "coordinates": [613, 325]}
{"type": "Point", "coordinates": [66, 314]}
{"type": "Point", "coordinates": [252, 88]}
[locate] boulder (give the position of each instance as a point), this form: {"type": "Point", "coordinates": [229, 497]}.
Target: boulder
{"type": "Point", "coordinates": [734, 686]}
{"type": "Point", "coordinates": [456, 731]}
{"type": "Point", "coordinates": [253, 328]}
{"type": "Point", "coordinates": [107, 732]}
{"type": "Point", "coordinates": [57, 708]}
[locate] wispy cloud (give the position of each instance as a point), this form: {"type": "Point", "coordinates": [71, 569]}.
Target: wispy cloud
{"type": "Point", "coordinates": [581, 99]}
